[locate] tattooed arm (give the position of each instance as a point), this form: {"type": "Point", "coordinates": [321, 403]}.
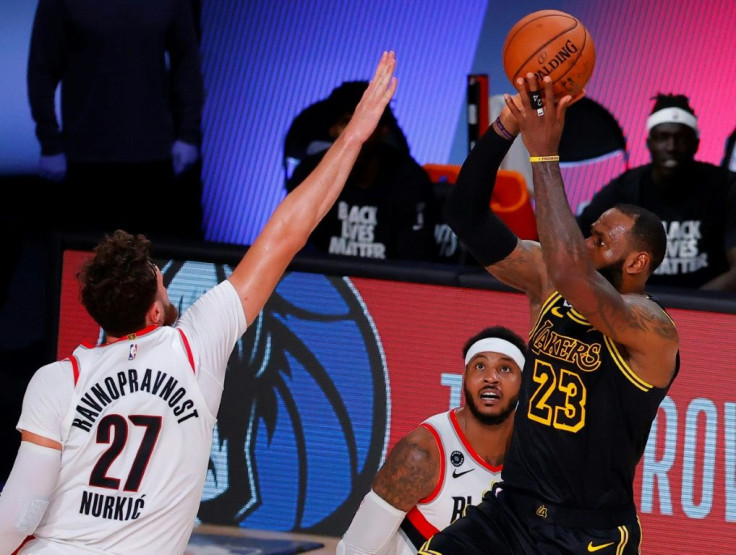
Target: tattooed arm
{"type": "Point", "coordinates": [410, 473]}
{"type": "Point", "coordinates": [617, 305]}
{"type": "Point", "coordinates": [411, 470]}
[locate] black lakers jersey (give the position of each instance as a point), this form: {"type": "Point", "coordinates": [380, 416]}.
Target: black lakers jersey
{"type": "Point", "coordinates": [583, 417]}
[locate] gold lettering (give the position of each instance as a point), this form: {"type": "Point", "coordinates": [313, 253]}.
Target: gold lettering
{"type": "Point", "coordinates": [586, 356]}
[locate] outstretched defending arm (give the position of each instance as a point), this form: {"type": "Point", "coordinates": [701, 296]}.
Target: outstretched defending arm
{"type": "Point", "coordinates": [289, 227]}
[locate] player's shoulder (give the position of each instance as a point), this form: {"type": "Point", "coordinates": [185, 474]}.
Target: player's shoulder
{"type": "Point", "coordinates": [648, 314]}
{"type": "Point", "coordinates": [418, 447]}
{"type": "Point", "coordinates": [209, 308]}
{"type": "Point", "coordinates": [437, 419]}
{"type": "Point", "coordinates": [56, 368]}
{"type": "Point", "coordinates": [650, 300]}
{"type": "Point", "coordinates": [58, 374]}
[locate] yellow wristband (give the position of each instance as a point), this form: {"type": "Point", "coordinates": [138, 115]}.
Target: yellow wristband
{"type": "Point", "coordinates": [554, 158]}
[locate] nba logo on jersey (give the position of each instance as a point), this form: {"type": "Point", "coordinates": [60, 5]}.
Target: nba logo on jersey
{"type": "Point", "coordinates": [133, 351]}
{"type": "Point", "coordinates": [457, 458]}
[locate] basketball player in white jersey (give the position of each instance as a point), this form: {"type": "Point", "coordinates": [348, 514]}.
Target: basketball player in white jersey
{"type": "Point", "coordinates": [446, 463]}
{"type": "Point", "coordinates": [116, 438]}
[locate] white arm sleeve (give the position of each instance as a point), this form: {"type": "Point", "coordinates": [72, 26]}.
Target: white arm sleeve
{"type": "Point", "coordinates": [26, 493]}
{"type": "Point", "coordinates": [373, 528]}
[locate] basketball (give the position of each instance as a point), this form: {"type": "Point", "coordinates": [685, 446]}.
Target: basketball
{"type": "Point", "coordinates": [554, 43]}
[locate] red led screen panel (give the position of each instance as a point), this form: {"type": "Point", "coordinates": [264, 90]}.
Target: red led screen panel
{"type": "Point", "coordinates": [686, 482]}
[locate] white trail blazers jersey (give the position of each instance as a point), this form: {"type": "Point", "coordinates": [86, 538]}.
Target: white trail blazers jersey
{"type": "Point", "coordinates": [464, 477]}
{"type": "Point", "coordinates": [136, 431]}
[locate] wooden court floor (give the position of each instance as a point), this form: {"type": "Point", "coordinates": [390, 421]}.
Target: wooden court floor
{"type": "Point", "coordinates": [330, 543]}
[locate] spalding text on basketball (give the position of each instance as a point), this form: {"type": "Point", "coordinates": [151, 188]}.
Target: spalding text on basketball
{"type": "Point", "coordinates": [563, 54]}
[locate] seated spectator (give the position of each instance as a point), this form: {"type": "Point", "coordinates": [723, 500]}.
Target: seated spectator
{"type": "Point", "coordinates": [387, 209]}
{"type": "Point", "coordinates": [695, 200]}
{"type": "Point", "coordinates": [131, 110]}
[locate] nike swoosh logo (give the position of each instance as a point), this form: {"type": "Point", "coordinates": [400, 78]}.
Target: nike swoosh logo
{"type": "Point", "coordinates": [592, 548]}
{"type": "Point", "coordinates": [456, 474]}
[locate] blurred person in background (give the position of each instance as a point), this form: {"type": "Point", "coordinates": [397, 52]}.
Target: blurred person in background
{"type": "Point", "coordinates": [131, 108]}
{"type": "Point", "coordinates": [696, 201]}
{"type": "Point", "coordinates": [387, 209]}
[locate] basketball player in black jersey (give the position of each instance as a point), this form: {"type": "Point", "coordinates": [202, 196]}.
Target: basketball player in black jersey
{"type": "Point", "coordinates": [602, 353]}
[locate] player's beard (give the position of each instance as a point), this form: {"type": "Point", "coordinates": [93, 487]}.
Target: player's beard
{"type": "Point", "coordinates": [489, 419]}
{"type": "Point", "coordinates": [170, 314]}
{"type": "Point", "coordinates": [614, 273]}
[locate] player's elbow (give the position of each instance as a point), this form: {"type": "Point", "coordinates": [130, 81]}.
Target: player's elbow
{"type": "Point", "coordinates": [289, 227]}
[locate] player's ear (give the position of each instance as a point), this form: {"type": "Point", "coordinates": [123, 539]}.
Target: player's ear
{"type": "Point", "coordinates": [638, 262]}
{"type": "Point", "coordinates": [156, 314]}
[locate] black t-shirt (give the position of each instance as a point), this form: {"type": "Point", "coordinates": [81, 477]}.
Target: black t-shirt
{"type": "Point", "coordinates": [393, 218]}
{"type": "Point", "coordinates": [700, 220]}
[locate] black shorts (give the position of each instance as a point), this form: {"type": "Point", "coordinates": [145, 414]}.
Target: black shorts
{"type": "Point", "coordinates": [510, 524]}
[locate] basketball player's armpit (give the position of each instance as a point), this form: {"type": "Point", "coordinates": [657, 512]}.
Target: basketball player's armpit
{"type": "Point", "coordinates": [409, 474]}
